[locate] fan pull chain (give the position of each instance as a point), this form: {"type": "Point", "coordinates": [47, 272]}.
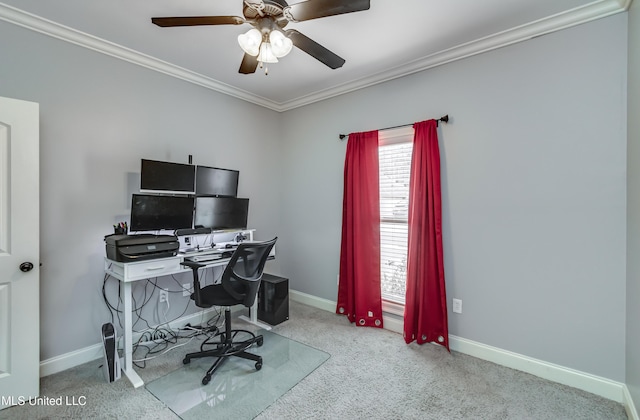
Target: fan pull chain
{"type": "Point", "coordinates": [266, 69]}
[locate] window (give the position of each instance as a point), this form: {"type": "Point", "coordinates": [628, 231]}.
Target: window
{"type": "Point", "coordinates": [394, 153]}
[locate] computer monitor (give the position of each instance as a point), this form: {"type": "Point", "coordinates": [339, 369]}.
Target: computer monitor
{"type": "Point", "coordinates": [167, 177]}
{"type": "Point", "coordinates": [219, 213]}
{"type": "Point", "coordinates": [216, 181]}
{"type": "Point", "coordinates": [161, 212]}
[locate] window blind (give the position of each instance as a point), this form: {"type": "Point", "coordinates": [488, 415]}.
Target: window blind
{"type": "Point", "coordinates": [395, 166]}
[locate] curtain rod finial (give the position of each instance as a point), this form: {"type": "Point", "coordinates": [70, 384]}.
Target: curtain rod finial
{"type": "Point", "coordinates": [445, 119]}
{"type": "Point", "coordinates": [342, 136]}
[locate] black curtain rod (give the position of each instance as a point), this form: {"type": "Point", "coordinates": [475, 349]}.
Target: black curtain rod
{"type": "Point", "coordinates": [444, 119]}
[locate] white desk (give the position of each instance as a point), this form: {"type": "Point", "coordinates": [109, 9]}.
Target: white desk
{"type": "Point", "coordinates": [128, 273]}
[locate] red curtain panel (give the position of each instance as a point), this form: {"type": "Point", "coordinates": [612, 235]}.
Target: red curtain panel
{"type": "Point", "coordinates": [359, 296]}
{"type": "Point", "coordinates": [425, 313]}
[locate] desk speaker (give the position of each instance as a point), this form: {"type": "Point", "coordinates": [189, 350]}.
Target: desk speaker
{"type": "Point", "coordinates": [273, 299]}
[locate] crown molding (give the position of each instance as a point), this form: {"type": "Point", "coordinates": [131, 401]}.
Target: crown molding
{"type": "Point", "coordinates": [624, 4]}
{"type": "Point", "coordinates": [564, 20]}
{"type": "Point", "coordinates": [583, 14]}
{"type": "Point", "coordinates": [65, 33]}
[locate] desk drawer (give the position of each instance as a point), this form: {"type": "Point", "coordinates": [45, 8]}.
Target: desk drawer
{"type": "Point", "coordinates": [152, 268]}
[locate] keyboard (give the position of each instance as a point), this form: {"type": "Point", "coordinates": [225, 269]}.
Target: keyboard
{"type": "Point", "coordinates": [207, 254]}
{"type": "Point", "coordinates": [204, 251]}
{"type": "Point", "coordinates": [204, 258]}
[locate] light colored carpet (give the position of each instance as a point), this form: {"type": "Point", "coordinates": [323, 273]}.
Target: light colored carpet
{"type": "Point", "coordinates": [371, 374]}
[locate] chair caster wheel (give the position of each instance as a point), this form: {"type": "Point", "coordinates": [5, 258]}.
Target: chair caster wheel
{"type": "Point", "coordinates": [258, 365]}
{"type": "Point", "coordinates": [260, 342]}
{"type": "Point", "coordinates": [186, 361]}
{"type": "Point", "coordinates": [206, 380]}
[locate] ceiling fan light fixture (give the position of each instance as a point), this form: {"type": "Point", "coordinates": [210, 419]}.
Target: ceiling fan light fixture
{"type": "Point", "coordinates": [266, 54]}
{"type": "Point", "coordinates": [280, 44]}
{"type": "Point", "coordinates": [250, 41]}
{"type": "Point", "coordinates": [268, 40]}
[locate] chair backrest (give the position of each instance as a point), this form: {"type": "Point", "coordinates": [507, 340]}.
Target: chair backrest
{"type": "Point", "coordinates": [242, 275]}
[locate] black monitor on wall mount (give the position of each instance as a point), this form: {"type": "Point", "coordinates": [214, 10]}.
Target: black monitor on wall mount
{"type": "Point", "coordinates": [161, 212]}
{"type": "Point", "coordinates": [167, 177]}
{"type": "Point", "coordinates": [220, 213]}
{"type": "Point", "coordinates": [216, 181]}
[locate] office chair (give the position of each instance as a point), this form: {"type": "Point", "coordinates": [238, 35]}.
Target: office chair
{"type": "Point", "coordinates": [239, 286]}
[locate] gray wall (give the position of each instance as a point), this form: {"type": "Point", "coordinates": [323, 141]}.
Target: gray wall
{"type": "Point", "coordinates": [99, 117]}
{"type": "Point", "coordinates": [534, 166]}
{"type": "Point", "coordinates": [633, 208]}
{"type": "Point", "coordinates": [534, 191]}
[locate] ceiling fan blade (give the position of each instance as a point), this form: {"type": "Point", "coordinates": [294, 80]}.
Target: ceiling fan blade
{"type": "Point", "coordinates": [315, 50]}
{"type": "Point", "coordinates": [249, 64]}
{"type": "Point", "coordinates": [197, 21]}
{"type": "Point", "coordinates": [313, 9]}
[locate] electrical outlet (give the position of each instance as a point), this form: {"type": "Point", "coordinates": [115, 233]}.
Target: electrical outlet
{"type": "Point", "coordinates": [163, 296]}
{"type": "Point", "coordinates": [186, 289]}
{"type": "Point", "coordinates": [457, 306]}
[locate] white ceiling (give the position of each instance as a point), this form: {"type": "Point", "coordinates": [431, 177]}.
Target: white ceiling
{"type": "Point", "coordinates": [391, 39]}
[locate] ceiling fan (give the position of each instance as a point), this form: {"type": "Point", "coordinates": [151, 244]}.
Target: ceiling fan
{"type": "Point", "coordinates": [267, 40]}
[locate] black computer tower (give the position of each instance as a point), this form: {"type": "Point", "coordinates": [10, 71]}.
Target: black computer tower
{"type": "Point", "coordinates": [273, 299]}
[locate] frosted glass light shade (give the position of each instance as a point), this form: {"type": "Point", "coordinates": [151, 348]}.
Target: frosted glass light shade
{"type": "Point", "coordinates": [250, 42]}
{"type": "Point", "coordinates": [280, 44]}
{"type": "Point", "coordinates": [266, 54]}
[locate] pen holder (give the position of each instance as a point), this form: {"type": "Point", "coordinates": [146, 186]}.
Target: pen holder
{"type": "Point", "coordinates": [120, 230]}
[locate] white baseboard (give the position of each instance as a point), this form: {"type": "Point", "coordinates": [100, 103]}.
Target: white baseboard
{"type": "Point", "coordinates": [632, 413]}
{"type": "Point", "coordinates": [311, 300]}
{"type": "Point", "coordinates": [587, 382]}
{"type": "Point", "coordinates": [69, 360]}
{"type": "Point", "coordinates": [94, 352]}
{"type": "Point", "coordinates": [393, 324]}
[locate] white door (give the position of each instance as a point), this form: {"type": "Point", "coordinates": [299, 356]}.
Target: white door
{"type": "Point", "coordinates": [19, 252]}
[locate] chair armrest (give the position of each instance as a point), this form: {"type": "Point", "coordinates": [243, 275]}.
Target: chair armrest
{"type": "Point", "coordinates": [196, 282]}
{"type": "Point", "coordinates": [192, 264]}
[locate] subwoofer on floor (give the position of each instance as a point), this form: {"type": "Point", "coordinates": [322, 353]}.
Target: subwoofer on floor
{"type": "Point", "coordinates": [273, 299]}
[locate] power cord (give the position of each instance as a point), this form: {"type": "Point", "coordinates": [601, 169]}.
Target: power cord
{"type": "Point", "coordinates": [165, 337]}
{"type": "Point", "coordinates": [154, 342]}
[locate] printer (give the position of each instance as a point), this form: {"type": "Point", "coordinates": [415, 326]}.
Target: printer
{"type": "Point", "coordinates": [130, 248]}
